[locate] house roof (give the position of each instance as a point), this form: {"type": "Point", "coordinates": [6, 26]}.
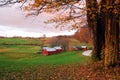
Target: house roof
{"type": "Point", "coordinates": [49, 49]}
{"type": "Point", "coordinates": [52, 49]}
{"type": "Point", "coordinates": [83, 46]}
{"type": "Point", "coordinates": [57, 47]}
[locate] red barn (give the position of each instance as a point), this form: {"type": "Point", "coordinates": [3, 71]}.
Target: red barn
{"type": "Point", "coordinates": [84, 47]}
{"type": "Point", "coordinates": [58, 49]}
{"type": "Point", "coordinates": [49, 51]}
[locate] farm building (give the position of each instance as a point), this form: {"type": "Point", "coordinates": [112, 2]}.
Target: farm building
{"type": "Point", "coordinates": [84, 47]}
{"type": "Point", "coordinates": [58, 48]}
{"type": "Point", "coordinates": [49, 51]}
{"type": "Point", "coordinates": [76, 48]}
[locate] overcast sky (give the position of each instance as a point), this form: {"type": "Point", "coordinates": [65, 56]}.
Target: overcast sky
{"type": "Point", "coordinates": [14, 23]}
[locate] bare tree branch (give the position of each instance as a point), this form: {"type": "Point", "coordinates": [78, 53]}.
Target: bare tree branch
{"type": "Point", "coordinates": [8, 2]}
{"type": "Point", "coordinates": [23, 4]}
{"type": "Point", "coordinates": [70, 7]}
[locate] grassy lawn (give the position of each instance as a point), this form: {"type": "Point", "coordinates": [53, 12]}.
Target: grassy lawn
{"type": "Point", "coordinates": [22, 62]}
{"type": "Point", "coordinates": [18, 57]}
{"type": "Point", "coordinates": [19, 41]}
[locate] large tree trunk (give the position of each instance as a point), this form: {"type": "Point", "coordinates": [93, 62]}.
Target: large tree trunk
{"type": "Point", "coordinates": [104, 25]}
{"type": "Point", "coordinates": [96, 28]}
{"type": "Point", "coordinates": [111, 41]}
{"type": "Point", "coordinates": [112, 35]}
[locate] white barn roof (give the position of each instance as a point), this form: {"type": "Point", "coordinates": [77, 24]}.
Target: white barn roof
{"type": "Point", "coordinates": [57, 47]}
{"type": "Point", "coordinates": [50, 49]}
{"type": "Point", "coordinates": [83, 46]}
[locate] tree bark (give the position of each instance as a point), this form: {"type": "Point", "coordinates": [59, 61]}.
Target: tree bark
{"type": "Point", "coordinates": [111, 42]}
{"type": "Point", "coordinates": [96, 28]}
{"type": "Point", "coordinates": [105, 30]}
{"type": "Point", "coordinates": [112, 36]}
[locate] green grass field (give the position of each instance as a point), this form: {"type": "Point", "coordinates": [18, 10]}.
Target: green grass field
{"type": "Point", "coordinates": [18, 57]}
{"type": "Point", "coordinates": [19, 61]}
{"type": "Point", "coordinates": [20, 41]}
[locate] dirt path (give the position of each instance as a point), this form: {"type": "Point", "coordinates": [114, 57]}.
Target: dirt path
{"type": "Point", "coordinates": [87, 53]}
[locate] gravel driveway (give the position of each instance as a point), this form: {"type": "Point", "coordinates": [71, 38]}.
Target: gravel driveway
{"type": "Point", "coordinates": [87, 53]}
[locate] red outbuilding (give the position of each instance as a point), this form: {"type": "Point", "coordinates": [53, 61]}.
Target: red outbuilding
{"type": "Point", "coordinates": [58, 49]}
{"type": "Point", "coordinates": [84, 47]}
{"type": "Point", "coordinates": [49, 51]}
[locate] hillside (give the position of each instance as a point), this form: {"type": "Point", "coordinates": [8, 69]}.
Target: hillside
{"type": "Point", "coordinates": [20, 41]}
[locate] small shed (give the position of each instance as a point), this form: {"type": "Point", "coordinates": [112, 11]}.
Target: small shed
{"type": "Point", "coordinates": [84, 47]}
{"type": "Point", "coordinates": [75, 48]}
